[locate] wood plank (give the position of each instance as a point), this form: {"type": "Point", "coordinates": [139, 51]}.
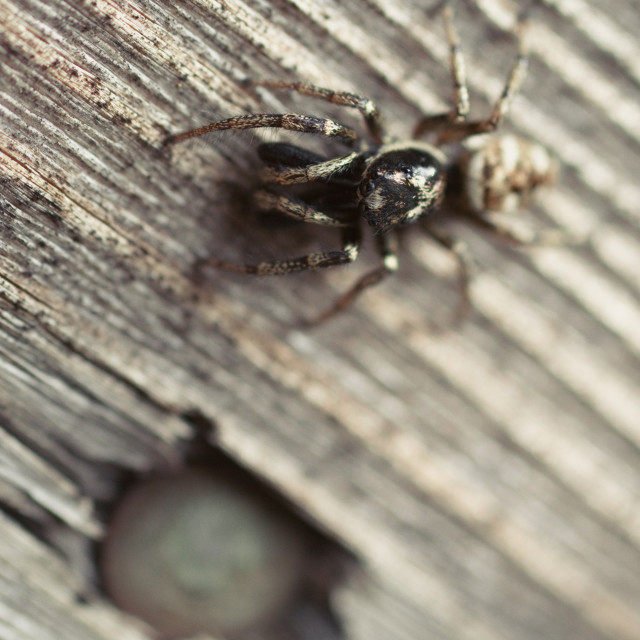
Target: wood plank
{"type": "Point", "coordinates": [485, 476]}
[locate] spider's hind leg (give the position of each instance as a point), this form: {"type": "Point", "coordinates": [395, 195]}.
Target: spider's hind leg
{"type": "Point", "coordinates": [541, 238]}
{"type": "Point", "coordinates": [460, 108]}
{"type": "Point", "coordinates": [464, 129]}
{"type": "Point", "coordinates": [453, 126]}
{"type": "Point", "coordinates": [465, 267]}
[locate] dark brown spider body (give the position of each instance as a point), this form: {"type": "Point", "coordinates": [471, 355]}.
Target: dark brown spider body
{"type": "Point", "coordinates": [390, 184]}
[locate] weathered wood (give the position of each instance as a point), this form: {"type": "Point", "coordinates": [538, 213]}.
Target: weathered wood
{"type": "Point", "coordinates": [487, 477]}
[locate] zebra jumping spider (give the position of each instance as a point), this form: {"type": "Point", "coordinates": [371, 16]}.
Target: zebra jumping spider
{"type": "Point", "coordinates": [389, 183]}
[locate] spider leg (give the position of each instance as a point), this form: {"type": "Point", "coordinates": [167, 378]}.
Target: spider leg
{"type": "Point", "coordinates": [453, 125]}
{"type": "Point", "coordinates": [321, 171]}
{"type": "Point", "coordinates": [289, 121]}
{"type": "Point", "coordinates": [295, 208]}
{"type": "Point", "coordinates": [465, 266]}
{"type": "Point", "coordinates": [389, 251]}
{"type": "Point", "coordinates": [460, 107]}
{"type": "Point", "coordinates": [317, 260]}
{"type": "Point", "coordinates": [460, 130]}
{"type": "Point", "coordinates": [544, 238]}
{"type": "Point", "coordinates": [366, 106]}
{"type": "Point", "coordinates": [288, 164]}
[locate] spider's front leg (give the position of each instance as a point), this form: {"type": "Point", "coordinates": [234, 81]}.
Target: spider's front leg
{"type": "Point", "coordinates": [287, 121]}
{"type": "Point", "coordinates": [366, 106]}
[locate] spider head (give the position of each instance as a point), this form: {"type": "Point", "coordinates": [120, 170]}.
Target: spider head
{"type": "Point", "coordinates": [400, 184]}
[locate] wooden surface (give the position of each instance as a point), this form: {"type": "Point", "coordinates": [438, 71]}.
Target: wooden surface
{"type": "Point", "coordinates": [488, 477]}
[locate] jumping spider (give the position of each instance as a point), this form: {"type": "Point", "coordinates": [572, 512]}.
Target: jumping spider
{"type": "Point", "coordinates": [389, 183]}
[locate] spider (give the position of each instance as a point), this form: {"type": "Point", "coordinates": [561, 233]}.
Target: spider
{"type": "Point", "coordinates": [390, 184]}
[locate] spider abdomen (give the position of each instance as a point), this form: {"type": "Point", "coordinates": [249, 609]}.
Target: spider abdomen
{"type": "Point", "coordinates": [503, 174]}
{"type": "Point", "coordinates": [400, 184]}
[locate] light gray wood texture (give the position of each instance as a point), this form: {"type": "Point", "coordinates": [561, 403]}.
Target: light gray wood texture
{"type": "Point", "coordinates": [487, 477]}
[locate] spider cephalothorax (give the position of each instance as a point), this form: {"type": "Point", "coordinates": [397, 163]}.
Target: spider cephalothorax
{"type": "Point", "coordinates": [389, 184]}
{"type": "Point", "coordinates": [401, 184]}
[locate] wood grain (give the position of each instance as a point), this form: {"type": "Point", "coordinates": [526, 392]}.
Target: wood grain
{"type": "Point", "coordinates": [487, 477]}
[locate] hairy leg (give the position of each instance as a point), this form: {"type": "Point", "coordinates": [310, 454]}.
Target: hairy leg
{"type": "Point", "coordinates": [460, 107]}
{"type": "Point", "coordinates": [465, 264]}
{"type": "Point", "coordinates": [366, 106]}
{"type": "Point", "coordinates": [388, 245]}
{"type": "Point", "coordinates": [288, 121]}
{"type": "Point", "coordinates": [317, 260]}
{"type": "Point", "coordinates": [453, 126]}
{"type": "Point", "coordinates": [543, 238]}
{"type": "Point", "coordinates": [320, 172]}
{"type": "Point", "coordinates": [295, 208]}
{"type": "Point", "coordinates": [461, 130]}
